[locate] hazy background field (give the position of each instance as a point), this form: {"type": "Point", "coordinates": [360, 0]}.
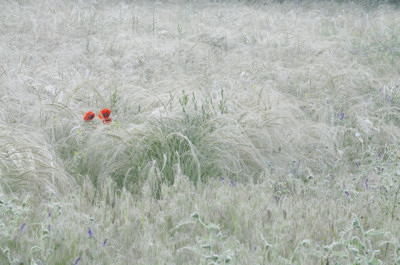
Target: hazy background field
{"type": "Point", "coordinates": [246, 132]}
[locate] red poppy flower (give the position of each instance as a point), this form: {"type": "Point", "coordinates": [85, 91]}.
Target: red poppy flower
{"type": "Point", "coordinates": [107, 120]}
{"type": "Point", "coordinates": [104, 113]}
{"type": "Point", "coordinates": [88, 116]}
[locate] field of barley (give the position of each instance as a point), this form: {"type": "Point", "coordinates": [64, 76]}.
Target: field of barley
{"type": "Point", "coordinates": [241, 132]}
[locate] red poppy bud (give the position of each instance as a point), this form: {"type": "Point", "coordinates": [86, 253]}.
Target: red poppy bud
{"type": "Point", "coordinates": [88, 116]}
{"type": "Point", "coordinates": [107, 121]}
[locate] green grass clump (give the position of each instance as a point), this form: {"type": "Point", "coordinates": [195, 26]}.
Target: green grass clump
{"type": "Point", "coordinates": [201, 142]}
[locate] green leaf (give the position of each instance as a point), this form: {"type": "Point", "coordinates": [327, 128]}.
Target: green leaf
{"type": "Point", "coordinates": [354, 250]}
{"type": "Point", "coordinates": [340, 254]}
{"type": "Point", "coordinates": [213, 258]}
{"type": "Point", "coordinates": [373, 232]}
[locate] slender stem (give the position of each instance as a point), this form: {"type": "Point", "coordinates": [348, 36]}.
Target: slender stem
{"type": "Point", "coordinates": [154, 7]}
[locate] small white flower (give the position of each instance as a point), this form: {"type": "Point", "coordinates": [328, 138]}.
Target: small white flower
{"type": "Point", "coordinates": [358, 135]}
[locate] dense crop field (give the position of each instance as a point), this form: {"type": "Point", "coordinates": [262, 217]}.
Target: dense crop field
{"type": "Point", "coordinates": [242, 132]}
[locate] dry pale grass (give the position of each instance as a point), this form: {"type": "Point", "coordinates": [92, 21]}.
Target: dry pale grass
{"type": "Point", "coordinates": [243, 133]}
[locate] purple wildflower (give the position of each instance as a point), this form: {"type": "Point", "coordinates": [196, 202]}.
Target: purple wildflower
{"type": "Point", "coordinates": [90, 232]}
{"type": "Point", "coordinates": [49, 213]}
{"type": "Point", "coordinates": [379, 155]}
{"type": "Point", "coordinates": [347, 193]}
{"type": "Point", "coordinates": [357, 165]}
{"type": "Point", "coordinates": [277, 199]}
{"type": "Point", "coordinates": [105, 242]}
{"type": "Point", "coordinates": [77, 260]}
{"type": "Point", "coordinates": [222, 179]}
{"type": "Point", "coordinates": [22, 228]}
{"type": "Point", "coordinates": [342, 117]}
{"type": "Point", "coordinates": [233, 184]}
{"type": "Point", "coordinates": [367, 183]}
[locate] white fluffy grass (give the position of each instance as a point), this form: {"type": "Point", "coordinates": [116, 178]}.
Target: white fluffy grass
{"type": "Point", "coordinates": [288, 73]}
